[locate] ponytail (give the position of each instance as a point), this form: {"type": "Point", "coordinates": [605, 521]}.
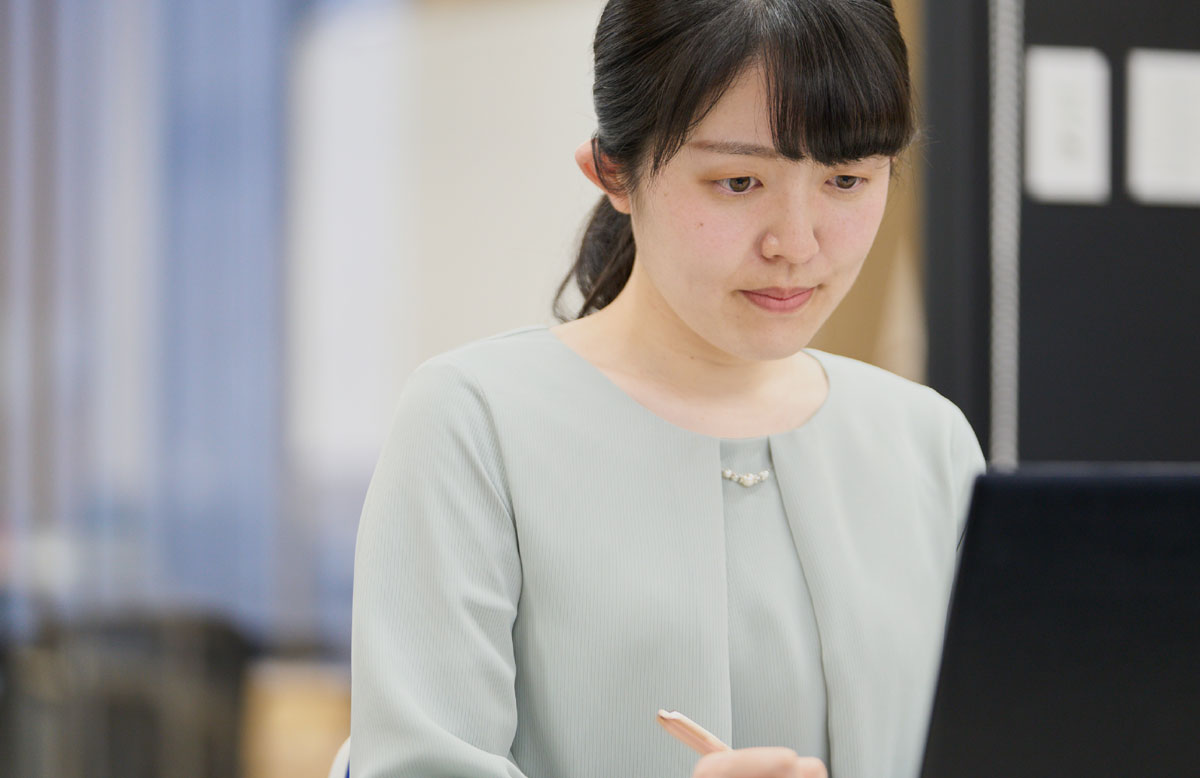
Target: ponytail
{"type": "Point", "coordinates": [604, 263]}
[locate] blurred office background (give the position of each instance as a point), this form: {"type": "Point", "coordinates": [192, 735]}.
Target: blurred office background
{"type": "Point", "coordinates": [228, 231]}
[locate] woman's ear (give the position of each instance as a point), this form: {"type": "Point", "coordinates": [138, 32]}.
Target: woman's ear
{"type": "Point", "coordinates": [586, 159]}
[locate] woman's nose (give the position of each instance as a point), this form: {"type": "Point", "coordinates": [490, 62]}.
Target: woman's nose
{"type": "Point", "coordinates": [792, 234]}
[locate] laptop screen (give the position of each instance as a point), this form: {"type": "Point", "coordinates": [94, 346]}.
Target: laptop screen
{"type": "Point", "coordinates": [1073, 641]}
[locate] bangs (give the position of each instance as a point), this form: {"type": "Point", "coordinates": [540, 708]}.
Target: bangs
{"type": "Point", "coordinates": [836, 75]}
{"type": "Point", "coordinates": [838, 91]}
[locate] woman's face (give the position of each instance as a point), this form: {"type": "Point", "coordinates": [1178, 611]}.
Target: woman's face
{"type": "Point", "coordinates": [744, 253]}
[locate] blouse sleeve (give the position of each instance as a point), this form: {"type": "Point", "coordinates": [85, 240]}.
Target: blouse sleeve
{"type": "Point", "coordinates": [437, 577]}
{"type": "Point", "coordinates": [967, 464]}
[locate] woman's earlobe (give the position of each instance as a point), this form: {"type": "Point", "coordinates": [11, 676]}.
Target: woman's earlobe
{"type": "Point", "coordinates": [585, 157]}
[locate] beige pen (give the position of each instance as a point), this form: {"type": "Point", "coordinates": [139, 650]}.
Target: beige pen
{"type": "Point", "coordinates": [690, 733]}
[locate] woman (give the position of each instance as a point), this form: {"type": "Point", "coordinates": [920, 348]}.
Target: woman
{"type": "Point", "coordinates": [668, 502]}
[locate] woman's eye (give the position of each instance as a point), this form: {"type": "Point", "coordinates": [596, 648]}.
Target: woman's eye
{"type": "Point", "coordinates": [847, 183]}
{"type": "Point", "coordinates": [738, 185]}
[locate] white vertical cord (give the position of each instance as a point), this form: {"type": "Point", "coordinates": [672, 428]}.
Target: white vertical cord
{"type": "Point", "coordinates": [1007, 42]}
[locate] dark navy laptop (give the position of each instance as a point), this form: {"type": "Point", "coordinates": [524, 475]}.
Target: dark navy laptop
{"type": "Point", "coordinates": [1073, 641]}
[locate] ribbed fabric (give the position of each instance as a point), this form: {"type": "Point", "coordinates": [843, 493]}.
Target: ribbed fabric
{"type": "Point", "coordinates": [542, 564]}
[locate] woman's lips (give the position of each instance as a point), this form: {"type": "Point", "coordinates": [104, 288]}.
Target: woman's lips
{"type": "Point", "coordinates": [779, 300]}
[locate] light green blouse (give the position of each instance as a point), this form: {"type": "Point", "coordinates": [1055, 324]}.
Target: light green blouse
{"type": "Point", "coordinates": [777, 687]}
{"type": "Point", "coordinates": [542, 563]}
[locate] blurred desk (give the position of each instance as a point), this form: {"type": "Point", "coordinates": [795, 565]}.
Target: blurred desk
{"type": "Point", "coordinates": [127, 696]}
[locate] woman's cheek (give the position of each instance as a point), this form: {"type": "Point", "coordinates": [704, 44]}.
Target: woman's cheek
{"type": "Point", "coordinates": [708, 223]}
{"type": "Point", "coordinates": [854, 233]}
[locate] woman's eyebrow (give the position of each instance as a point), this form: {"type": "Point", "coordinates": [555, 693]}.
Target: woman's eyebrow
{"type": "Point", "coordinates": [738, 148]}
{"type": "Point", "coordinates": [735, 147]}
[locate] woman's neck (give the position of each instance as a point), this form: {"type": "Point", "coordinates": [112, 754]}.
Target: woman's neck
{"type": "Point", "coordinates": [655, 358]}
{"type": "Point", "coordinates": [647, 341]}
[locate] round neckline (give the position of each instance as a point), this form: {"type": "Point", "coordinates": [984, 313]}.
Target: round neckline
{"type": "Point", "coordinates": [821, 410]}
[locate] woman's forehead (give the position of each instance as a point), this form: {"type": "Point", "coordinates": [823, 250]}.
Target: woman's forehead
{"type": "Point", "coordinates": [742, 113]}
{"type": "Point", "coordinates": [740, 124]}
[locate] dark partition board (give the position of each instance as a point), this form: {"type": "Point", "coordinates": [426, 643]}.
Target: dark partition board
{"type": "Point", "coordinates": [1110, 294]}
{"type": "Point", "coordinates": [953, 154]}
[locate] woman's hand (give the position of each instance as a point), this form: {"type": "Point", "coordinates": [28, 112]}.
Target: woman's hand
{"type": "Point", "coordinates": [759, 763]}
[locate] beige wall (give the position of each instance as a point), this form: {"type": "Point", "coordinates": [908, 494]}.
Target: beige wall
{"type": "Point", "coordinates": [504, 99]}
{"type": "Point", "coordinates": [882, 320]}
{"type": "Point", "coordinates": [434, 198]}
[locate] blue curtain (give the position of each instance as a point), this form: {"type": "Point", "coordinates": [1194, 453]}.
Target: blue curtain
{"type": "Point", "coordinates": [211, 529]}
{"type": "Point", "coordinates": [221, 296]}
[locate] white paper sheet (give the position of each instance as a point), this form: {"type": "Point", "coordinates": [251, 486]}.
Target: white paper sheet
{"type": "Point", "coordinates": [1068, 138]}
{"type": "Point", "coordinates": [1163, 160]}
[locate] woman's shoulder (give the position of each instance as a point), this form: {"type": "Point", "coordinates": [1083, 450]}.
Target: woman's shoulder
{"type": "Point", "coordinates": [508, 371]}
{"type": "Point", "coordinates": [881, 399]}
{"type": "Point", "coordinates": [914, 423]}
{"type": "Point", "coordinates": [875, 385]}
{"type": "Point", "coordinates": [517, 389]}
{"type": "Point", "coordinates": [460, 391]}
{"type": "Point", "coordinates": [505, 356]}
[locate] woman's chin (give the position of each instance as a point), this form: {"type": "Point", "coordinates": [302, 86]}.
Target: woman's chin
{"type": "Point", "coordinates": [766, 347]}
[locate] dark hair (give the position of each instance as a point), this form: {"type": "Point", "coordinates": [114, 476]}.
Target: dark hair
{"type": "Point", "coordinates": [837, 81]}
